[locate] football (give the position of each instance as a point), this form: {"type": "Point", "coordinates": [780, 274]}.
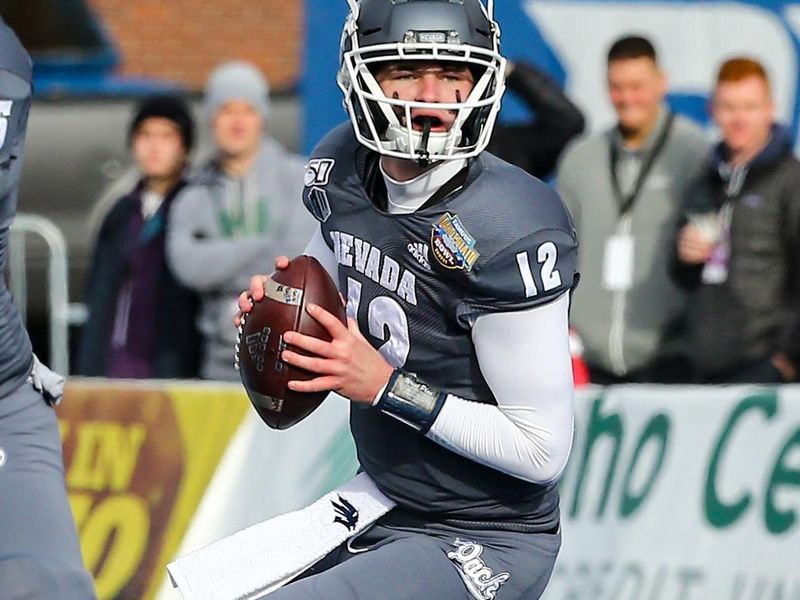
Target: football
{"type": "Point", "coordinates": [260, 342]}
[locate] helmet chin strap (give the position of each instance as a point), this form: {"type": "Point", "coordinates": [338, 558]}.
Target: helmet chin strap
{"type": "Point", "coordinates": [424, 156]}
{"type": "Point", "coordinates": [399, 135]}
{"type": "Point", "coordinates": [434, 143]}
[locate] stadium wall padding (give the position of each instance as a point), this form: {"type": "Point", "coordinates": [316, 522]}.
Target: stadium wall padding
{"type": "Point", "coordinates": [671, 493]}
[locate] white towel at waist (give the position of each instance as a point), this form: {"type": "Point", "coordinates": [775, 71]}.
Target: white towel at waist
{"type": "Point", "coordinates": [261, 558]}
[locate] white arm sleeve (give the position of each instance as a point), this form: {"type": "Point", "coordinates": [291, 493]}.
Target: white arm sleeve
{"type": "Point", "coordinates": [317, 248]}
{"type": "Point", "coordinates": [524, 357]}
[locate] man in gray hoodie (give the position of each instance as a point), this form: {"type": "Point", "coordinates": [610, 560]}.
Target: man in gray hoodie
{"type": "Point", "coordinates": [624, 188]}
{"type": "Point", "coordinates": [237, 210]}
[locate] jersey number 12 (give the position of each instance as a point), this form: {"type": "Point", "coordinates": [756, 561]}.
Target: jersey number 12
{"type": "Point", "coordinates": [546, 256]}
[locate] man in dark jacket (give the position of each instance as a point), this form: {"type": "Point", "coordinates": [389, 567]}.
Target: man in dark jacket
{"type": "Point", "coordinates": [141, 320]}
{"type": "Point", "coordinates": [536, 145]}
{"type": "Point", "coordinates": [740, 247]}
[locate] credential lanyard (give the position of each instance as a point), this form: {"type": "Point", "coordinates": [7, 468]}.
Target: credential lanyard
{"type": "Point", "coordinates": [624, 202]}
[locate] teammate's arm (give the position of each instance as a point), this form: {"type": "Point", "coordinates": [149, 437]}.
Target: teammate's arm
{"type": "Point", "coordinates": [536, 145]}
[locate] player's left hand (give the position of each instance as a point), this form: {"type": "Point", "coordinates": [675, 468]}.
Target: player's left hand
{"type": "Point", "coordinates": [348, 364]}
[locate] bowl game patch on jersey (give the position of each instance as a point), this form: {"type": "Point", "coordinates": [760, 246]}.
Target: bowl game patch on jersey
{"type": "Point", "coordinates": [452, 244]}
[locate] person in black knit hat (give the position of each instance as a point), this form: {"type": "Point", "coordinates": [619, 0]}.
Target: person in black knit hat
{"type": "Point", "coordinates": [141, 321]}
{"type": "Point", "coordinates": [168, 108]}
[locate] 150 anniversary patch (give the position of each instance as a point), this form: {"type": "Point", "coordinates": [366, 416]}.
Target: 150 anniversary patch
{"type": "Point", "coordinates": [452, 244]}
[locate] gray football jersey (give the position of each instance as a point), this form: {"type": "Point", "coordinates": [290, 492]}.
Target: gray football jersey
{"type": "Point", "coordinates": [416, 282]}
{"type": "Point", "coordinates": [15, 100]}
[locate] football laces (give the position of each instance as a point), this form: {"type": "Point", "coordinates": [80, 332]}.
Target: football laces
{"type": "Point", "coordinates": [238, 343]}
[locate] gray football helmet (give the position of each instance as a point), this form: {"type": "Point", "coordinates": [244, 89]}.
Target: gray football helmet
{"type": "Point", "coordinates": [455, 31]}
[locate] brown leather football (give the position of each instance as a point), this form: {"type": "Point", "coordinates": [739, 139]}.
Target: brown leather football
{"type": "Point", "coordinates": [258, 350]}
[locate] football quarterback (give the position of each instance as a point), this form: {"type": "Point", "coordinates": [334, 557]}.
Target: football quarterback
{"type": "Point", "coordinates": [457, 270]}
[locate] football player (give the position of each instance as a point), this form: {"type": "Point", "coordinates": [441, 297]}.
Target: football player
{"type": "Point", "coordinates": [39, 552]}
{"type": "Point", "coordinates": [457, 270]}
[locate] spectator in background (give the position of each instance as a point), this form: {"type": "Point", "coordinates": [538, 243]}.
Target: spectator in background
{"type": "Point", "coordinates": [141, 320]}
{"type": "Point", "coordinates": [241, 207]}
{"type": "Point", "coordinates": [625, 189]}
{"type": "Point", "coordinates": [535, 146]}
{"type": "Point", "coordinates": [740, 248]}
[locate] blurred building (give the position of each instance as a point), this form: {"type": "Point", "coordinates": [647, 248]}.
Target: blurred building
{"type": "Point", "coordinates": [121, 43]}
{"type": "Point", "coordinates": [181, 40]}
{"type": "Point", "coordinates": [93, 60]}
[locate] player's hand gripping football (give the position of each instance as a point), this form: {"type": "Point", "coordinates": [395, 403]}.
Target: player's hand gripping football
{"type": "Point", "coordinates": [347, 365]}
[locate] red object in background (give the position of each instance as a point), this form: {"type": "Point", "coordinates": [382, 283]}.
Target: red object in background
{"type": "Point", "coordinates": [580, 372]}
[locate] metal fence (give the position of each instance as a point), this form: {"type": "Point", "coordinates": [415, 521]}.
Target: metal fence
{"type": "Point", "coordinates": [61, 313]}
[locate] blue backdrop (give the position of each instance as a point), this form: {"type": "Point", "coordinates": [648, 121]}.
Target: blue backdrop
{"type": "Point", "coordinates": [569, 39]}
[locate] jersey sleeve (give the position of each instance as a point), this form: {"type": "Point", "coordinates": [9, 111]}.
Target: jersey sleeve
{"type": "Point", "coordinates": [330, 163]}
{"type": "Point", "coordinates": [15, 101]}
{"type": "Point", "coordinates": [532, 271]}
{"type": "Point", "coordinates": [315, 198]}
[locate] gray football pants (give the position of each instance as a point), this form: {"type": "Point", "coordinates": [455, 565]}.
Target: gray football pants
{"type": "Point", "coordinates": [434, 562]}
{"type": "Point", "coordinates": [40, 556]}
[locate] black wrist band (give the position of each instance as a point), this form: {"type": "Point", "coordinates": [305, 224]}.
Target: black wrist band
{"type": "Point", "coordinates": [411, 401]}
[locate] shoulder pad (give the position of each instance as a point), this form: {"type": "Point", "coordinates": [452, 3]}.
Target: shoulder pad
{"type": "Point", "coordinates": [504, 204]}
{"type": "Point", "coordinates": [337, 143]}
{"type": "Point", "coordinates": [527, 246]}
{"type": "Point", "coordinates": [533, 271]}
{"type": "Point", "coordinates": [13, 56]}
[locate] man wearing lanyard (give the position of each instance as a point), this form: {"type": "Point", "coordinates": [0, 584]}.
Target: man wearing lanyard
{"type": "Point", "coordinates": [624, 188]}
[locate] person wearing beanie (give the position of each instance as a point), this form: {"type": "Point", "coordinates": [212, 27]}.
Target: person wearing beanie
{"type": "Point", "coordinates": [237, 211]}
{"type": "Point", "coordinates": [142, 321]}
{"type": "Point", "coordinates": [236, 80]}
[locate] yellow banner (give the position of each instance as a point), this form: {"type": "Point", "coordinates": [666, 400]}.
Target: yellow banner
{"type": "Point", "coordinates": [138, 458]}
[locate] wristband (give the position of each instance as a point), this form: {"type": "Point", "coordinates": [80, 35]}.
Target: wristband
{"type": "Point", "coordinates": [411, 401]}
